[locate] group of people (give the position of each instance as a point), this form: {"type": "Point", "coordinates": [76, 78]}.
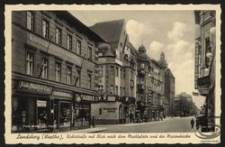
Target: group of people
{"type": "Point", "coordinates": [196, 123]}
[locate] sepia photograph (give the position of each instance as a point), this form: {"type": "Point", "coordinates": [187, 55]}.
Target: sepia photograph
{"type": "Point", "coordinates": [113, 73]}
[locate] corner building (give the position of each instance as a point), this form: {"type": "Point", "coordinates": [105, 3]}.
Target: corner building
{"type": "Point", "coordinates": [117, 75]}
{"type": "Point", "coordinates": [53, 71]}
{"type": "Point", "coordinates": [205, 63]}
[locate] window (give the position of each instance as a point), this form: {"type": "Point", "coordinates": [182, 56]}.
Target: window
{"type": "Point", "coordinates": [44, 68]}
{"type": "Point", "coordinates": [207, 49]}
{"type": "Point", "coordinates": [100, 71]}
{"type": "Point", "coordinates": [100, 88]}
{"type": "Point", "coordinates": [117, 90]}
{"type": "Point", "coordinates": [69, 42]}
{"type": "Point", "coordinates": [112, 69]}
{"type": "Point", "coordinates": [45, 29]}
{"type": "Point", "coordinates": [30, 20]}
{"type": "Point", "coordinates": [29, 63]}
{"type": "Point", "coordinates": [78, 47]}
{"type": "Point", "coordinates": [89, 80]}
{"type": "Point", "coordinates": [111, 89]}
{"type": "Point", "coordinates": [58, 72]}
{"type": "Point", "coordinates": [124, 93]}
{"type": "Point", "coordinates": [89, 53]}
{"type": "Point", "coordinates": [121, 44]}
{"type": "Point", "coordinates": [78, 80]}
{"type": "Point", "coordinates": [100, 111]}
{"type": "Point", "coordinates": [58, 36]}
{"type": "Point", "coordinates": [117, 71]}
{"type": "Point", "coordinates": [124, 73]}
{"type": "Point", "coordinates": [68, 74]}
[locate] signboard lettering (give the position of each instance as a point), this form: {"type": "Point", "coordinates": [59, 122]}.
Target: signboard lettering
{"type": "Point", "coordinates": [111, 98]}
{"type": "Point", "coordinates": [41, 103]}
{"type": "Point", "coordinates": [62, 94]}
{"type": "Point", "coordinates": [34, 87]}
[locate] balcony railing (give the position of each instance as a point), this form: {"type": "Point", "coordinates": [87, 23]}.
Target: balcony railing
{"type": "Point", "coordinates": [140, 87]}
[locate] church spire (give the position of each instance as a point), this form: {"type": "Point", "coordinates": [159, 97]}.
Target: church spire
{"type": "Point", "coordinates": [162, 60]}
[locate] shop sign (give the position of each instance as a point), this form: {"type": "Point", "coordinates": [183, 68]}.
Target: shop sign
{"type": "Point", "coordinates": [62, 94]}
{"type": "Point", "coordinates": [41, 103]}
{"type": "Point", "coordinates": [196, 64]}
{"type": "Point", "coordinates": [111, 98]}
{"type": "Point", "coordinates": [34, 87]}
{"type": "Point", "coordinates": [110, 109]}
{"type": "Point", "coordinates": [87, 98]}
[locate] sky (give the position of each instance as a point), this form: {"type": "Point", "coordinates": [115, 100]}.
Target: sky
{"type": "Point", "coordinates": [172, 32]}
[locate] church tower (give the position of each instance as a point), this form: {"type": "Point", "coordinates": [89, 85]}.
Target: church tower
{"type": "Point", "coordinates": [162, 60]}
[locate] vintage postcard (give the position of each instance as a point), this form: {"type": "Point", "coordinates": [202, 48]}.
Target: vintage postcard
{"type": "Point", "coordinates": [131, 74]}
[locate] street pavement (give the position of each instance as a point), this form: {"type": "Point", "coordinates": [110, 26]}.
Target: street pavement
{"type": "Point", "coordinates": [175, 124]}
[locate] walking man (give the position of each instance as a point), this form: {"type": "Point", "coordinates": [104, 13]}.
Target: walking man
{"type": "Point", "coordinates": [192, 123]}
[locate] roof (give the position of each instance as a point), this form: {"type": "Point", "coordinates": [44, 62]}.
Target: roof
{"type": "Point", "coordinates": [169, 72]}
{"type": "Point", "coordinates": [110, 31]}
{"type": "Point", "coordinates": [156, 62]}
{"type": "Point", "coordinates": [74, 22]}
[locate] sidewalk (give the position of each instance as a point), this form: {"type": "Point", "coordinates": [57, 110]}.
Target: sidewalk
{"type": "Point", "coordinates": [88, 130]}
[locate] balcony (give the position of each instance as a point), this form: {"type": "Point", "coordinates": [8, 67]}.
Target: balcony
{"type": "Point", "coordinates": [203, 81]}
{"type": "Point", "coordinates": [141, 72]}
{"type": "Point", "coordinates": [140, 87]}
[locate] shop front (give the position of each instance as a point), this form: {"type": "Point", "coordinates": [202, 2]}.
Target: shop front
{"type": "Point", "coordinates": [61, 111]}
{"type": "Point", "coordinates": [30, 107]}
{"type": "Point", "coordinates": [82, 110]}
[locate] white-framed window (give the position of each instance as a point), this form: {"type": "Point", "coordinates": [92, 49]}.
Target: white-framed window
{"type": "Point", "coordinates": [69, 42]}
{"type": "Point", "coordinates": [44, 68]}
{"type": "Point", "coordinates": [29, 63]}
{"type": "Point", "coordinates": [30, 20]}
{"type": "Point", "coordinates": [58, 36]}
{"type": "Point", "coordinates": [111, 89]}
{"type": "Point", "coordinates": [68, 74]}
{"type": "Point", "coordinates": [78, 80]}
{"type": "Point", "coordinates": [89, 53]}
{"type": "Point", "coordinates": [58, 71]}
{"type": "Point", "coordinates": [45, 28]}
{"type": "Point", "coordinates": [117, 71]}
{"type": "Point", "coordinates": [78, 47]}
{"type": "Point", "coordinates": [100, 88]}
{"type": "Point", "coordinates": [89, 80]}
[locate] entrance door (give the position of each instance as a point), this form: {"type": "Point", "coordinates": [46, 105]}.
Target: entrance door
{"type": "Point", "coordinates": [42, 114]}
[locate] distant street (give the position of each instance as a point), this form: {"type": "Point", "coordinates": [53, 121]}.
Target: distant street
{"type": "Point", "coordinates": [175, 124]}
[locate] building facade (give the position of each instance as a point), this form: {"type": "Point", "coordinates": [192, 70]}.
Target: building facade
{"type": "Point", "coordinates": [53, 71]}
{"type": "Point", "coordinates": [205, 51]}
{"type": "Point", "coordinates": [169, 85]}
{"type": "Point", "coordinates": [117, 68]}
{"type": "Point", "coordinates": [149, 87]}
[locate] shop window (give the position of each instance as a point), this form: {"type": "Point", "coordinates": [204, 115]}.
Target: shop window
{"type": "Point", "coordinates": [58, 72]}
{"type": "Point", "coordinates": [44, 68]}
{"type": "Point", "coordinates": [69, 42]}
{"type": "Point", "coordinates": [58, 36]}
{"type": "Point", "coordinates": [45, 29]}
{"type": "Point", "coordinates": [82, 115]}
{"type": "Point", "coordinates": [78, 48]}
{"type": "Point", "coordinates": [64, 114]}
{"type": "Point", "coordinates": [19, 114]}
{"type": "Point", "coordinates": [30, 20]}
{"type": "Point", "coordinates": [68, 74]}
{"type": "Point", "coordinates": [42, 114]}
{"type": "Point", "coordinates": [29, 63]}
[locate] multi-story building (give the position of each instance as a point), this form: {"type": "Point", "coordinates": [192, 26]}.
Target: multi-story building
{"type": "Point", "coordinates": [149, 86]}
{"type": "Point", "coordinates": [169, 85]}
{"type": "Point", "coordinates": [53, 66]}
{"type": "Point", "coordinates": [205, 51]}
{"type": "Point", "coordinates": [117, 68]}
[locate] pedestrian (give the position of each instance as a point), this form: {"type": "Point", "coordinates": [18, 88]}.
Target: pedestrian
{"type": "Point", "coordinates": [93, 121]}
{"type": "Point", "coordinates": [192, 123]}
{"type": "Point", "coordinates": [197, 124]}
